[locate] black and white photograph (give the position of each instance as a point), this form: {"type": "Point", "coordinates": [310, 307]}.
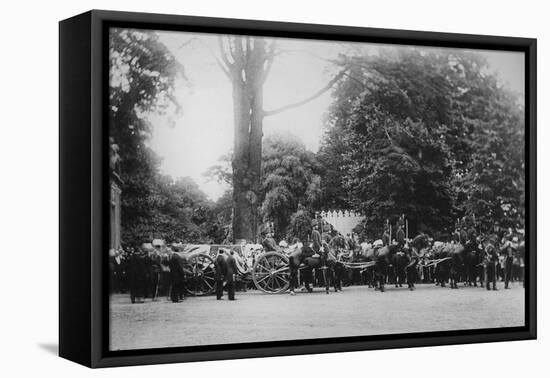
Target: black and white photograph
{"type": "Point", "coordinates": [272, 189]}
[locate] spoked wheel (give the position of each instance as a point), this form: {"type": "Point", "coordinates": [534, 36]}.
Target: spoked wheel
{"type": "Point", "coordinates": [271, 273]}
{"type": "Point", "coordinates": [200, 275]}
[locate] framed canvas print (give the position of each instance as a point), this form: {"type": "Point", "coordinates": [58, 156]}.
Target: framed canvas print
{"type": "Point", "coordinates": [234, 188]}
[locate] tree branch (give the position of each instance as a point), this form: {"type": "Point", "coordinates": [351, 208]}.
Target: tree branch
{"type": "Point", "coordinates": [269, 61]}
{"type": "Point", "coordinates": [223, 53]}
{"type": "Point", "coordinates": [306, 100]}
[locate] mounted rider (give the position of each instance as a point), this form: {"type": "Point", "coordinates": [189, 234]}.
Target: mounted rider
{"type": "Point", "coordinates": [317, 245]}
{"type": "Point", "coordinates": [351, 244]}
{"type": "Point", "coordinates": [491, 260]}
{"type": "Point", "coordinates": [400, 235]}
{"type": "Point", "coordinates": [269, 243]}
{"type": "Point", "coordinates": [386, 235]}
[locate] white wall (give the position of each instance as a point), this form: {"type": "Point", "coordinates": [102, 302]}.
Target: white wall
{"type": "Point", "coordinates": [28, 200]}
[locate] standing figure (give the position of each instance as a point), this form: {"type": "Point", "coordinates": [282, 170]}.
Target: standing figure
{"type": "Point", "coordinates": [400, 236]}
{"type": "Point", "coordinates": [351, 245]}
{"type": "Point", "coordinates": [269, 243]}
{"type": "Point", "coordinates": [221, 272]}
{"type": "Point", "coordinates": [177, 277]}
{"type": "Point", "coordinates": [491, 266]}
{"type": "Point", "coordinates": [508, 264]}
{"type": "Point", "coordinates": [386, 236]}
{"type": "Point", "coordinates": [231, 271]}
{"type": "Point", "coordinates": [137, 277]}
{"type": "Point", "coordinates": [316, 239]}
{"type": "Point", "coordinates": [153, 265]}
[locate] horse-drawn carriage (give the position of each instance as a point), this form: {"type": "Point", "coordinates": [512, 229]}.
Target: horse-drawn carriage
{"type": "Point", "coordinates": [199, 267]}
{"type": "Point", "coordinates": [271, 272]}
{"type": "Point", "coordinates": [279, 271]}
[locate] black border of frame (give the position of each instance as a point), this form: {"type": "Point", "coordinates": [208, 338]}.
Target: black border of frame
{"type": "Point", "coordinates": [99, 317]}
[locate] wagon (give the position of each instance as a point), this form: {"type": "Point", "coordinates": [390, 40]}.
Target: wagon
{"type": "Point", "coordinates": [271, 272]}
{"type": "Point", "coordinates": [199, 267]}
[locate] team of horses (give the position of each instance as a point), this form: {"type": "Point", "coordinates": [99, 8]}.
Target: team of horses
{"type": "Point", "coordinates": [446, 263]}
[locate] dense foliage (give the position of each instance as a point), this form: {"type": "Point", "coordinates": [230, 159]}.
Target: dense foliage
{"type": "Point", "coordinates": [143, 75]}
{"type": "Point", "coordinates": [424, 133]}
{"type": "Point", "coordinates": [428, 133]}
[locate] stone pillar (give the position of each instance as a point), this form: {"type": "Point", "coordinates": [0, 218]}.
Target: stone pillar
{"type": "Point", "coordinates": [114, 212]}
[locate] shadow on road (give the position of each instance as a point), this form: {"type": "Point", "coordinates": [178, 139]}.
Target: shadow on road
{"type": "Point", "coordinates": [52, 348]}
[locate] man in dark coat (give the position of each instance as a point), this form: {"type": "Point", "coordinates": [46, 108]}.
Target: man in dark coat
{"type": "Point", "coordinates": [138, 275]}
{"type": "Point", "coordinates": [269, 243]}
{"type": "Point", "coordinates": [316, 239]}
{"type": "Point", "coordinates": [221, 271]}
{"type": "Point", "coordinates": [386, 236]}
{"type": "Point", "coordinates": [509, 253]}
{"type": "Point", "coordinates": [176, 278]}
{"type": "Point", "coordinates": [231, 271]}
{"type": "Point", "coordinates": [491, 256]}
{"type": "Point", "coordinates": [317, 242]}
{"type": "Point", "coordinates": [400, 236]}
{"type": "Point", "coordinates": [153, 265]}
{"type": "Point", "coordinates": [463, 236]}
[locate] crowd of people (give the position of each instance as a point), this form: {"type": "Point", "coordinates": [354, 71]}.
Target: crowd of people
{"type": "Point", "coordinates": [157, 269]}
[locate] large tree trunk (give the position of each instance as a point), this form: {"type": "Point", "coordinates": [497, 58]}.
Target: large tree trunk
{"type": "Point", "coordinates": [247, 76]}
{"type": "Point", "coordinates": [247, 61]}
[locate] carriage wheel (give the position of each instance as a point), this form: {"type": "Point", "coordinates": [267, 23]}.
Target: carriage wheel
{"type": "Point", "coordinates": [201, 277]}
{"type": "Point", "coordinates": [271, 273]}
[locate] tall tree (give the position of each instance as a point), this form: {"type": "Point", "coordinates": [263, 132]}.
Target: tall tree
{"type": "Point", "coordinates": [424, 133]}
{"type": "Point", "coordinates": [247, 61]}
{"type": "Point", "coordinates": [290, 179]}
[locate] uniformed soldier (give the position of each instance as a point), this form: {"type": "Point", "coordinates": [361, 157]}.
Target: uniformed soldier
{"type": "Point", "coordinates": [153, 265]}
{"type": "Point", "coordinates": [386, 236]}
{"type": "Point", "coordinates": [463, 235]}
{"type": "Point", "coordinates": [472, 235]}
{"type": "Point", "coordinates": [509, 252]}
{"type": "Point", "coordinates": [350, 243]}
{"type": "Point", "coordinates": [316, 239]}
{"type": "Point", "coordinates": [400, 235]}
{"type": "Point", "coordinates": [491, 261]}
{"type": "Point", "coordinates": [455, 237]}
{"type": "Point", "coordinates": [269, 243]}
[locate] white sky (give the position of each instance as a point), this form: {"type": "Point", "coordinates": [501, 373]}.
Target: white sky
{"type": "Point", "coordinates": [204, 130]}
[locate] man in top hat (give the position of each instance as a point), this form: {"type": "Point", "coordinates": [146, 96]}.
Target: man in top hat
{"type": "Point", "coordinates": [221, 271]}
{"type": "Point", "coordinates": [230, 273]}
{"type": "Point", "coordinates": [177, 277]}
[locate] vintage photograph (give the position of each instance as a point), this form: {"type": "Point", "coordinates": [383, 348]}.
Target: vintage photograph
{"type": "Point", "coordinates": [272, 189]}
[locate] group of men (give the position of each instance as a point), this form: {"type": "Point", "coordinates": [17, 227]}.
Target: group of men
{"type": "Point", "coordinates": [500, 253]}
{"type": "Point", "coordinates": [152, 270]}
{"type": "Point", "coordinates": [146, 271]}
{"type": "Point", "coordinates": [226, 270]}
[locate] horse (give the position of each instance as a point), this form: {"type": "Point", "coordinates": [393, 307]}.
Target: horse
{"type": "Point", "coordinates": [473, 264]}
{"type": "Point", "coordinates": [401, 269]}
{"type": "Point", "coordinates": [304, 257]}
{"type": "Point", "coordinates": [456, 254]}
{"type": "Point", "coordinates": [382, 257]}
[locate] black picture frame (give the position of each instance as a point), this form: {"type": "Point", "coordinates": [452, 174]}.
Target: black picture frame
{"type": "Point", "coordinates": [84, 191]}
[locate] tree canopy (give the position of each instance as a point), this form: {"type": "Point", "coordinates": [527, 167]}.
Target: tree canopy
{"type": "Point", "coordinates": [424, 133]}
{"type": "Point", "coordinates": [142, 79]}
